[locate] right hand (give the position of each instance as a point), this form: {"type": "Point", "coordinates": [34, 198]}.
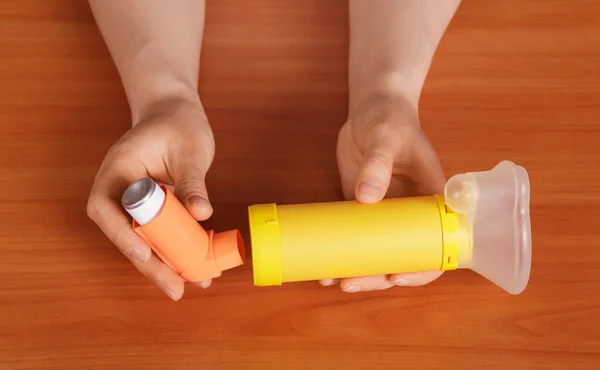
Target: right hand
{"type": "Point", "coordinates": [174, 145]}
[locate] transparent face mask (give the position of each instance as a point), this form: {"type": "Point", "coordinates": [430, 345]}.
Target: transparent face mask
{"type": "Point", "coordinates": [495, 204]}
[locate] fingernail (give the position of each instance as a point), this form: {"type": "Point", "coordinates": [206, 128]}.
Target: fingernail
{"type": "Point", "coordinates": [170, 293]}
{"type": "Point", "coordinates": [327, 282]}
{"type": "Point", "coordinates": [203, 284]}
{"type": "Point", "coordinates": [140, 253]}
{"type": "Point", "coordinates": [401, 282]}
{"type": "Point", "coordinates": [197, 200]}
{"type": "Point", "coordinates": [368, 192]}
{"type": "Point", "coordinates": [353, 289]}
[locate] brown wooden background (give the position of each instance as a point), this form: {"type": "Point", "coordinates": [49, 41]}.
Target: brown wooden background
{"type": "Point", "coordinates": [512, 79]}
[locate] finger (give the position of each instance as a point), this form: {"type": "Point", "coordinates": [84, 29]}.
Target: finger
{"type": "Point", "coordinates": [166, 279]}
{"type": "Point", "coordinates": [204, 283]}
{"type": "Point", "coordinates": [365, 283]}
{"type": "Point", "coordinates": [105, 212]}
{"type": "Point", "coordinates": [190, 188]}
{"type": "Point", "coordinates": [428, 169]}
{"type": "Point", "coordinates": [415, 278]}
{"type": "Point", "coordinates": [375, 171]}
{"type": "Point", "coordinates": [328, 282]}
{"type": "Point", "coordinates": [117, 228]}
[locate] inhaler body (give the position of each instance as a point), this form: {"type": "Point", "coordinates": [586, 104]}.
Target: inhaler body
{"type": "Point", "coordinates": [480, 223]}
{"type": "Point", "coordinates": [346, 239]}
{"type": "Point", "coordinates": [176, 237]}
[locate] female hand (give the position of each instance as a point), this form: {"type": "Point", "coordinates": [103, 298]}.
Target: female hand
{"type": "Point", "coordinates": [173, 144]}
{"type": "Point", "coordinates": [383, 152]}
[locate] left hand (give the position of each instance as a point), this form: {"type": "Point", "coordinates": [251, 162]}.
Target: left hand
{"type": "Point", "coordinates": [383, 152]}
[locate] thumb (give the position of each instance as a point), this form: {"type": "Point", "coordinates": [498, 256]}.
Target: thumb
{"type": "Point", "coordinates": [375, 172]}
{"type": "Point", "coordinates": [190, 189]}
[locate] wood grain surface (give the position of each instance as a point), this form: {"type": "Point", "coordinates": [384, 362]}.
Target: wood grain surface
{"type": "Point", "coordinates": [512, 79]}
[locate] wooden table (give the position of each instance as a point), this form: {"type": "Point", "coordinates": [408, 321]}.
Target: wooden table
{"type": "Point", "coordinates": [512, 79]}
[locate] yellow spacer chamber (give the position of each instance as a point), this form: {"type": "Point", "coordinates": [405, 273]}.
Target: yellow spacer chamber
{"type": "Point", "coordinates": [301, 242]}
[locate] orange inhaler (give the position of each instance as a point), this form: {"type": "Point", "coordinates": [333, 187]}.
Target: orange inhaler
{"type": "Point", "coordinates": [176, 237]}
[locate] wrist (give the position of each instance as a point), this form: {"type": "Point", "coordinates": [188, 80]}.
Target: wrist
{"type": "Point", "coordinates": [167, 103]}
{"type": "Point", "coordinates": [163, 92]}
{"type": "Point", "coordinates": [391, 85]}
{"type": "Point", "coordinates": [149, 79]}
{"type": "Point", "coordinates": [386, 86]}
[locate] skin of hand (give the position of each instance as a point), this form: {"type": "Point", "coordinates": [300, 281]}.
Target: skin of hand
{"type": "Point", "coordinates": [173, 145]}
{"type": "Point", "coordinates": [382, 150]}
{"type": "Point", "coordinates": [155, 46]}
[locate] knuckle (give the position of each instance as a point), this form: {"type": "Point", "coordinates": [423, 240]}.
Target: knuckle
{"type": "Point", "coordinates": [192, 185]}
{"type": "Point", "coordinates": [117, 153]}
{"type": "Point", "coordinates": [116, 147]}
{"type": "Point", "coordinates": [158, 276]}
{"type": "Point", "coordinates": [117, 237]}
{"type": "Point", "coordinates": [142, 267]}
{"type": "Point", "coordinates": [126, 147]}
{"type": "Point", "coordinates": [144, 270]}
{"type": "Point", "coordinates": [381, 158]}
{"type": "Point", "coordinates": [158, 273]}
{"type": "Point", "coordinates": [92, 207]}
